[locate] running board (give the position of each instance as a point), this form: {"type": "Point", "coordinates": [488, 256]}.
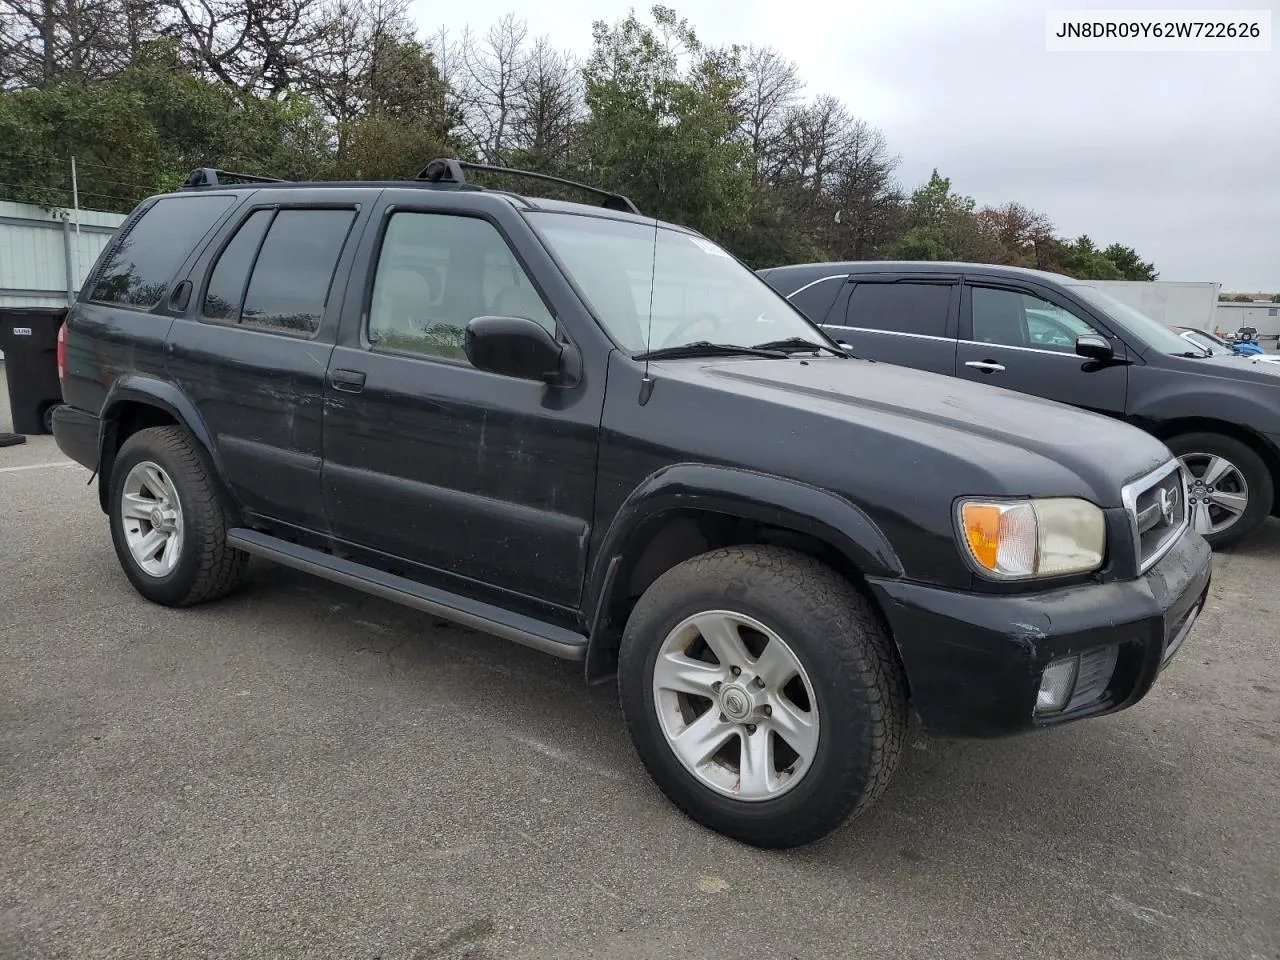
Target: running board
{"type": "Point", "coordinates": [475, 614]}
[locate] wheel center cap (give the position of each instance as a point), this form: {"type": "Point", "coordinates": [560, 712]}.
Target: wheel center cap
{"type": "Point", "coordinates": [735, 702]}
{"type": "Point", "coordinates": [157, 518]}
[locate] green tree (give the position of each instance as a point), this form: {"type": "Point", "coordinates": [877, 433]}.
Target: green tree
{"type": "Point", "coordinates": [941, 225]}
{"type": "Point", "coordinates": [106, 128]}
{"type": "Point", "coordinates": [662, 123]}
{"type": "Point", "coordinates": [1130, 265]}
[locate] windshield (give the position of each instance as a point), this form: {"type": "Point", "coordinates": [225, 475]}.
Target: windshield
{"type": "Point", "coordinates": [1152, 333]}
{"type": "Point", "coordinates": [694, 290]}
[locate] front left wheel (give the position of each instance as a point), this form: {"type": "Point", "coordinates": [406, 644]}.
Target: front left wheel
{"type": "Point", "coordinates": [763, 694]}
{"type": "Point", "coordinates": [169, 522]}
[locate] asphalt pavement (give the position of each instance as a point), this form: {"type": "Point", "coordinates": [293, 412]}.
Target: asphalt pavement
{"type": "Point", "coordinates": [301, 771]}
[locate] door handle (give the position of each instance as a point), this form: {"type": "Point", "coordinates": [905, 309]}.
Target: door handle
{"type": "Point", "coordinates": [348, 381]}
{"type": "Point", "coordinates": [986, 366]}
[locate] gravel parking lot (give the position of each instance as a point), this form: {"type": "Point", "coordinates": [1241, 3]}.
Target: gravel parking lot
{"type": "Point", "coordinates": [303, 771]}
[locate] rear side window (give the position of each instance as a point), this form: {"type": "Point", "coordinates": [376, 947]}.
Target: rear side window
{"type": "Point", "coordinates": [223, 299]}
{"type": "Point", "coordinates": [292, 255]}
{"type": "Point", "coordinates": [141, 263]}
{"type": "Point", "coordinates": [917, 308]}
{"type": "Point", "coordinates": [815, 300]}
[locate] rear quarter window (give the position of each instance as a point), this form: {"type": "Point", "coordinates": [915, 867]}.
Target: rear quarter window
{"type": "Point", "coordinates": [142, 260]}
{"type": "Point", "coordinates": [816, 299]}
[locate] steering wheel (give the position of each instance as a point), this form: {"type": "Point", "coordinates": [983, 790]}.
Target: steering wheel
{"type": "Point", "coordinates": [674, 337]}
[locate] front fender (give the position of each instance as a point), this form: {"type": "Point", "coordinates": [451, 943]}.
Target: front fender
{"type": "Point", "coordinates": [161, 395]}
{"type": "Point", "coordinates": [1246, 405]}
{"type": "Point", "coordinates": [733, 492]}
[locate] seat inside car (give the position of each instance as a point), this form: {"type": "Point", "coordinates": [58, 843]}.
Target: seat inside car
{"type": "Point", "coordinates": [401, 300]}
{"type": "Point", "coordinates": [998, 318]}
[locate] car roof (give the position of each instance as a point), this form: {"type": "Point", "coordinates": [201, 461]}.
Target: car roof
{"type": "Point", "coordinates": [842, 267]}
{"type": "Point", "coordinates": [445, 175]}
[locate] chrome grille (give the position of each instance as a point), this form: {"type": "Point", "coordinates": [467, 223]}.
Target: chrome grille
{"type": "Point", "coordinates": [1157, 506]}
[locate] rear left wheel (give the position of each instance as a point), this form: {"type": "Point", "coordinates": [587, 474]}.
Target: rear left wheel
{"type": "Point", "coordinates": [168, 521]}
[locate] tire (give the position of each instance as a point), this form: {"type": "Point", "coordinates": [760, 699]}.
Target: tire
{"type": "Point", "coordinates": [848, 673]}
{"type": "Point", "coordinates": [46, 416]}
{"type": "Point", "coordinates": [201, 566]}
{"type": "Point", "coordinates": [1247, 470]}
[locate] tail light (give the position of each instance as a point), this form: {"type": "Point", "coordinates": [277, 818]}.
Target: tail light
{"type": "Point", "coordinates": [62, 353]}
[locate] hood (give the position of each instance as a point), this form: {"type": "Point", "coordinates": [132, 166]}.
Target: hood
{"type": "Point", "coordinates": [1009, 434]}
{"type": "Point", "coordinates": [1260, 368]}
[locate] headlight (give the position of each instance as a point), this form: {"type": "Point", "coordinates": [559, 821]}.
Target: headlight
{"type": "Point", "coordinates": [1026, 539]}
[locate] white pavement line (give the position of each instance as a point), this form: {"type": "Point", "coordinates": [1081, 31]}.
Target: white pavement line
{"type": "Point", "coordinates": [40, 466]}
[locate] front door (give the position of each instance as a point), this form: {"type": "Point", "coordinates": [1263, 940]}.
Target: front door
{"type": "Point", "coordinates": [475, 482]}
{"type": "Point", "coordinates": [1022, 339]}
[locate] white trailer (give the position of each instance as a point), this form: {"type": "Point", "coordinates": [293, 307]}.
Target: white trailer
{"type": "Point", "coordinates": [1263, 317]}
{"type": "Point", "coordinates": [1173, 303]}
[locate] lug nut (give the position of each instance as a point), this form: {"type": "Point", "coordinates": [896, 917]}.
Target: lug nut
{"type": "Point", "coordinates": [759, 682]}
{"type": "Point", "coordinates": [723, 718]}
{"type": "Point", "coordinates": [736, 671]}
{"type": "Point", "coordinates": [751, 728]}
{"type": "Point", "coordinates": [767, 710]}
{"type": "Point", "coordinates": [716, 686]}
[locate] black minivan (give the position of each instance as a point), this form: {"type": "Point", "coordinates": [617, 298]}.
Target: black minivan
{"type": "Point", "coordinates": [1063, 339]}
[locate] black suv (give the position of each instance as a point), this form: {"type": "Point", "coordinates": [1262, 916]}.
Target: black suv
{"type": "Point", "coordinates": [1063, 339]}
{"type": "Point", "coordinates": [604, 437]}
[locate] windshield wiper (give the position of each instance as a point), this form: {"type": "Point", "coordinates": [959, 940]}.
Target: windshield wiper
{"type": "Point", "coordinates": [1193, 355]}
{"type": "Point", "coordinates": [705, 348]}
{"type": "Point", "coordinates": [799, 345]}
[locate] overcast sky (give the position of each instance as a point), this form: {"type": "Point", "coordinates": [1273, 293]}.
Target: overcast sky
{"type": "Point", "coordinates": [1176, 154]}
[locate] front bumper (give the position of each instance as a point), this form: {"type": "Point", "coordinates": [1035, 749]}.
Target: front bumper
{"type": "Point", "coordinates": [76, 434]}
{"type": "Point", "coordinates": [974, 661]}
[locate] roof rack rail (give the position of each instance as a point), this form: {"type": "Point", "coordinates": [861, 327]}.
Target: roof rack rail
{"type": "Point", "coordinates": [449, 170]}
{"type": "Point", "coordinates": [211, 177]}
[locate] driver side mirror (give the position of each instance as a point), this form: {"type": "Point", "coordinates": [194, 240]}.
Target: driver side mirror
{"type": "Point", "coordinates": [519, 347]}
{"type": "Point", "coordinates": [1094, 347]}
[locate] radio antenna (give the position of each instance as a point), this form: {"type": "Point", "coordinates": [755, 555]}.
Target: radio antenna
{"type": "Point", "coordinates": [646, 383]}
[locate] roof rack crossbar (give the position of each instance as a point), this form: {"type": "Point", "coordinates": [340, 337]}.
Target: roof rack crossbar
{"type": "Point", "coordinates": [453, 171]}
{"type": "Point", "coordinates": [211, 177]}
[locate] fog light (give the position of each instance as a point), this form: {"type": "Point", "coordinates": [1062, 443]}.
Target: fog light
{"type": "Point", "coordinates": [1094, 676]}
{"type": "Point", "coordinates": [1056, 684]}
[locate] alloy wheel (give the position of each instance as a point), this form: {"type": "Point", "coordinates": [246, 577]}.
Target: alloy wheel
{"type": "Point", "coordinates": [151, 517]}
{"type": "Point", "coordinates": [1217, 492]}
{"type": "Point", "coordinates": [736, 705]}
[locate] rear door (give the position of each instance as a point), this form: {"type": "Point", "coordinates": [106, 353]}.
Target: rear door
{"type": "Point", "coordinates": [252, 350]}
{"type": "Point", "coordinates": [906, 319]}
{"type": "Point", "coordinates": [1022, 337]}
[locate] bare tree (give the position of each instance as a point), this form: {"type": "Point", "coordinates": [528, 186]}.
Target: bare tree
{"type": "Point", "coordinates": [771, 87]}
{"type": "Point", "coordinates": [488, 84]}
{"type": "Point", "coordinates": [548, 107]}
{"type": "Point", "coordinates": [256, 46]}
{"type": "Point", "coordinates": [1016, 231]}
{"type": "Point", "coordinates": [46, 42]}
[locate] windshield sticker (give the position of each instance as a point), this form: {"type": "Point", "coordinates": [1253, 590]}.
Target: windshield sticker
{"type": "Point", "coordinates": [709, 247]}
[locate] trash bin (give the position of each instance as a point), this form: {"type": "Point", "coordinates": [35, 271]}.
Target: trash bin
{"type": "Point", "coordinates": [29, 339]}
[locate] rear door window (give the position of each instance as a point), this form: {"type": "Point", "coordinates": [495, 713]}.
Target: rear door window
{"type": "Point", "coordinates": [277, 271]}
{"type": "Point", "coordinates": [143, 259]}
{"type": "Point", "coordinates": [920, 309]}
